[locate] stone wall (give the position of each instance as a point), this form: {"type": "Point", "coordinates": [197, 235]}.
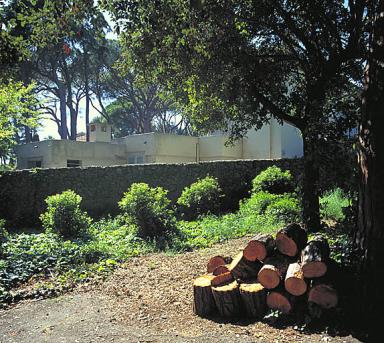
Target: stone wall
{"type": "Point", "coordinates": [22, 193]}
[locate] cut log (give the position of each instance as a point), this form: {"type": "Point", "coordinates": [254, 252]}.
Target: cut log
{"type": "Point", "coordinates": [215, 262]}
{"type": "Point", "coordinates": [280, 300]}
{"type": "Point", "coordinates": [314, 258]}
{"type": "Point", "coordinates": [323, 290]}
{"type": "Point", "coordinates": [204, 303]}
{"type": "Point", "coordinates": [222, 279]}
{"type": "Point", "coordinates": [254, 297]}
{"type": "Point", "coordinates": [323, 294]}
{"type": "Point", "coordinates": [273, 271]}
{"type": "Point", "coordinates": [227, 299]}
{"type": "Point", "coordinates": [294, 280]}
{"type": "Point", "coordinates": [221, 270]}
{"type": "Point", "coordinates": [259, 247]}
{"type": "Point", "coordinates": [291, 240]}
{"type": "Point", "coordinates": [243, 269]}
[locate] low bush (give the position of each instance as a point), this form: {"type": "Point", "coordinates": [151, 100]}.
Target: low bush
{"type": "Point", "coordinates": [284, 210]}
{"type": "Point", "coordinates": [201, 197]}
{"type": "Point", "coordinates": [333, 205]}
{"type": "Point", "coordinates": [64, 215]}
{"type": "Point", "coordinates": [257, 203]}
{"type": "Point", "coordinates": [273, 180]}
{"type": "Point", "coordinates": [149, 209]}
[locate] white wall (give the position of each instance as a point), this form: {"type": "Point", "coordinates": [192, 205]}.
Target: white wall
{"type": "Point", "coordinates": [174, 148]}
{"type": "Point", "coordinates": [213, 148]}
{"type": "Point", "coordinates": [256, 144]}
{"type": "Point", "coordinates": [291, 142]}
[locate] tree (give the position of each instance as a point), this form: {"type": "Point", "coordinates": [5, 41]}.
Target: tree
{"type": "Point", "coordinates": [369, 236]}
{"type": "Point", "coordinates": [17, 108]}
{"type": "Point", "coordinates": [59, 35]}
{"type": "Point", "coordinates": [244, 61]}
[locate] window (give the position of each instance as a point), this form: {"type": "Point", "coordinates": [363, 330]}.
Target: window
{"type": "Point", "coordinates": [136, 158]}
{"type": "Point", "coordinates": [73, 163]}
{"type": "Point", "coordinates": [35, 164]}
{"type": "Point", "coordinates": [104, 128]}
{"type": "Point", "coordinates": [93, 128]}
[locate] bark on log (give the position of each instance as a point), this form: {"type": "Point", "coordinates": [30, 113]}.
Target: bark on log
{"type": "Point", "coordinates": [314, 258]}
{"type": "Point", "coordinates": [291, 240]}
{"type": "Point", "coordinates": [254, 299]}
{"type": "Point", "coordinates": [215, 262]}
{"type": "Point", "coordinates": [243, 269]}
{"type": "Point", "coordinates": [222, 279]}
{"type": "Point", "coordinates": [294, 280]}
{"type": "Point", "coordinates": [221, 270]}
{"type": "Point", "coordinates": [280, 300]}
{"type": "Point", "coordinates": [204, 303]}
{"type": "Point", "coordinates": [259, 247]}
{"type": "Point", "coordinates": [273, 271]}
{"type": "Point", "coordinates": [227, 299]}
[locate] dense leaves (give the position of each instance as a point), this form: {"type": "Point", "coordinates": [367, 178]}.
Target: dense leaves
{"type": "Point", "coordinates": [64, 215]}
{"type": "Point", "coordinates": [273, 180]}
{"type": "Point", "coordinates": [149, 208]}
{"type": "Point", "coordinates": [202, 197]}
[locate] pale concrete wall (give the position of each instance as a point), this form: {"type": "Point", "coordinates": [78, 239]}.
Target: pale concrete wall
{"type": "Point", "coordinates": [143, 144]}
{"type": "Point", "coordinates": [212, 148]}
{"type": "Point", "coordinates": [100, 132]}
{"type": "Point", "coordinates": [256, 144]}
{"type": "Point", "coordinates": [174, 148]}
{"type": "Point", "coordinates": [291, 142]}
{"type": "Point", "coordinates": [55, 153]}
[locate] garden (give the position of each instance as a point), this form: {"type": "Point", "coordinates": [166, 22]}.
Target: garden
{"type": "Point", "coordinates": [71, 248]}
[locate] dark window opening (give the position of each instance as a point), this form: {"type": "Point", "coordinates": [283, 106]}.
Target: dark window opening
{"type": "Point", "coordinates": [73, 163]}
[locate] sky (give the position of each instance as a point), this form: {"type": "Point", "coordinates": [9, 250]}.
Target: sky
{"type": "Point", "coordinates": [48, 127]}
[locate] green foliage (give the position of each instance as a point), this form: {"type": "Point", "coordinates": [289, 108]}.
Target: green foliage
{"type": "Point", "coordinates": [17, 109]}
{"type": "Point", "coordinates": [64, 215]}
{"type": "Point", "coordinates": [202, 197]}
{"type": "Point", "coordinates": [149, 208]}
{"type": "Point", "coordinates": [3, 236]}
{"type": "Point", "coordinates": [257, 203]}
{"type": "Point", "coordinates": [284, 210]}
{"type": "Point", "coordinates": [273, 180]}
{"type": "Point", "coordinates": [332, 205]}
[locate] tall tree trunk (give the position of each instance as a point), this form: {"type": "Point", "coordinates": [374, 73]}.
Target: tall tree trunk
{"type": "Point", "coordinates": [87, 100]}
{"type": "Point", "coordinates": [63, 111]}
{"type": "Point", "coordinates": [369, 236]}
{"type": "Point", "coordinates": [311, 178]}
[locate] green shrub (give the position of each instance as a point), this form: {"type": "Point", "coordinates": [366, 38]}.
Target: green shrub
{"type": "Point", "coordinates": [64, 215]}
{"type": "Point", "coordinates": [286, 210]}
{"type": "Point", "coordinates": [257, 203]}
{"type": "Point", "coordinates": [149, 208]}
{"type": "Point", "coordinates": [201, 197]}
{"type": "Point", "coordinates": [273, 180]}
{"type": "Point", "coordinates": [332, 205]}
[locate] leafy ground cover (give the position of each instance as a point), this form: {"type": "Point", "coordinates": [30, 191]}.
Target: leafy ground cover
{"type": "Point", "coordinates": [48, 263]}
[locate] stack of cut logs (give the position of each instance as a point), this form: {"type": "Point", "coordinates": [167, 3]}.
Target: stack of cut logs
{"type": "Point", "coordinates": [269, 273]}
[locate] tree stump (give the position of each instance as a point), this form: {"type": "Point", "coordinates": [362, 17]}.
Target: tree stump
{"type": "Point", "coordinates": [294, 280]}
{"type": "Point", "coordinates": [314, 258]}
{"type": "Point", "coordinates": [280, 300]}
{"type": "Point", "coordinates": [259, 247]}
{"type": "Point", "coordinates": [254, 297]}
{"type": "Point", "coordinates": [227, 299]}
{"type": "Point", "coordinates": [243, 269]}
{"type": "Point", "coordinates": [291, 240]}
{"type": "Point", "coordinates": [204, 303]}
{"type": "Point", "coordinates": [273, 271]}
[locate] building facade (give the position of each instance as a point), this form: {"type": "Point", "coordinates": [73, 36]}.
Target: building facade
{"type": "Point", "coordinates": [272, 141]}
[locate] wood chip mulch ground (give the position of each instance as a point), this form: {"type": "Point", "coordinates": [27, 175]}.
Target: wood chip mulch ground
{"type": "Point", "coordinates": [155, 292]}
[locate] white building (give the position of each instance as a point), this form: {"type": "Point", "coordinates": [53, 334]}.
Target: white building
{"type": "Point", "coordinates": [272, 141]}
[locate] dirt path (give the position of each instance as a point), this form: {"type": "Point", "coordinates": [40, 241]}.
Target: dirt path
{"type": "Point", "coordinates": [147, 300]}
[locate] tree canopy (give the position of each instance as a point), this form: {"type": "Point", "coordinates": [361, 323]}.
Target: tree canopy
{"type": "Point", "coordinates": [245, 61]}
